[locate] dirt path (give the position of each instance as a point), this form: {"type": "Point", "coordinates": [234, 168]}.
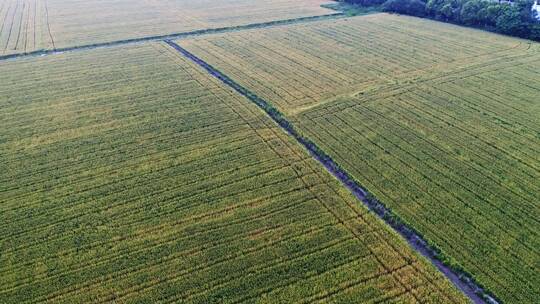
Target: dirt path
{"type": "Point", "coordinates": [461, 280]}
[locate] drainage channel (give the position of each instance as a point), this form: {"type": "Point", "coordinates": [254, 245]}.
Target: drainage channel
{"type": "Point", "coordinates": [462, 281]}
{"type": "Point", "coordinates": [180, 35]}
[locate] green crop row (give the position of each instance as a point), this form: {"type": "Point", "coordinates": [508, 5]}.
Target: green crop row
{"type": "Point", "coordinates": [129, 174]}
{"type": "Point", "coordinates": [439, 122]}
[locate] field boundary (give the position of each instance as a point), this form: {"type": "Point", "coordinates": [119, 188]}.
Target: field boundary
{"type": "Point", "coordinates": [454, 273]}
{"type": "Point", "coordinates": [179, 35]}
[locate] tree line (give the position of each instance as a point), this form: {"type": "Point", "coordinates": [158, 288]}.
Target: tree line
{"type": "Point", "coordinates": [516, 19]}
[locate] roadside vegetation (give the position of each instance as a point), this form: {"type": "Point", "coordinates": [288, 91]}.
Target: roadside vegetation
{"type": "Point", "coordinates": [515, 19]}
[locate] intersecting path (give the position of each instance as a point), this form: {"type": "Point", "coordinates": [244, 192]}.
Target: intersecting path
{"type": "Point", "coordinates": [463, 282]}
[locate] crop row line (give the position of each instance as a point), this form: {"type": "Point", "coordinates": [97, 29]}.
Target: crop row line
{"type": "Point", "coordinates": [48, 26]}
{"type": "Point", "coordinates": [349, 285]}
{"type": "Point", "coordinates": [162, 37]}
{"type": "Point", "coordinates": [331, 266]}
{"type": "Point", "coordinates": [11, 25]}
{"type": "Point", "coordinates": [312, 117]}
{"type": "Point", "coordinates": [496, 97]}
{"type": "Point", "coordinates": [179, 274]}
{"type": "Point", "coordinates": [89, 183]}
{"type": "Point", "coordinates": [415, 239]}
{"type": "Point", "coordinates": [408, 84]}
{"type": "Point", "coordinates": [469, 107]}
{"type": "Point", "coordinates": [274, 114]}
{"type": "Point", "coordinates": [350, 261]}
{"type": "Point", "coordinates": [279, 60]}
{"type": "Point", "coordinates": [352, 119]}
{"type": "Point", "coordinates": [322, 157]}
{"type": "Point", "coordinates": [194, 218]}
{"type": "Point", "coordinates": [405, 132]}
{"type": "Point", "coordinates": [269, 166]}
{"type": "Point", "coordinates": [126, 104]}
{"type": "Point", "coordinates": [61, 69]}
{"type": "Point", "coordinates": [460, 127]}
{"type": "Point", "coordinates": [20, 26]}
{"type": "Point", "coordinates": [108, 160]}
{"type": "Point", "coordinates": [459, 131]}
{"type": "Point", "coordinates": [259, 267]}
{"type": "Point", "coordinates": [46, 214]}
{"type": "Point", "coordinates": [189, 126]}
{"type": "Point", "coordinates": [102, 154]}
{"type": "Point", "coordinates": [427, 178]}
{"type": "Point", "coordinates": [170, 238]}
{"type": "Point", "coordinates": [404, 176]}
{"type": "Point", "coordinates": [171, 199]}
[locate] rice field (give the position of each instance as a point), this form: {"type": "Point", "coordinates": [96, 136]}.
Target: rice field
{"type": "Point", "coordinates": [29, 25]}
{"type": "Point", "coordinates": [441, 123]}
{"type": "Point", "coordinates": [128, 174]}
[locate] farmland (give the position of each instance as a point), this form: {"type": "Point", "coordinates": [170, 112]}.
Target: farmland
{"type": "Point", "coordinates": [24, 26]}
{"type": "Point", "coordinates": [439, 122]}
{"type": "Point", "coordinates": [341, 57]}
{"type": "Point", "coordinates": [29, 25]}
{"type": "Point", "coordinates": [129, 174]}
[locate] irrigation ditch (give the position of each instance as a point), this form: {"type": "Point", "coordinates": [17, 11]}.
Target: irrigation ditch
{"type": "Point", "coordinates": [44, 52]}
{"type": "Point", "coordinates": [460, 278]}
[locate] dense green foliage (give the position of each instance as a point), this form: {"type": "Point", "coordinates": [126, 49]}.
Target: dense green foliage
{"type": "Point", "coordinates": [440, 122]}
{"type": "Point", "coordinates": [515, 19]}
{"type": "Point", "coordinates": [409, 7]}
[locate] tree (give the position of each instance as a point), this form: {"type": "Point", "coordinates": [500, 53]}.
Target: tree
{"type": "Point", "coordinates": [434, 7]}
{"type": "Point", "coordinates": [517, 19]}
{"type": "Point", "coordinates": [447, 12]}
{"type": "Point", "coordinates": [470, 10]}
{"type": "Point", "coordinates": [416, 8]}
{"type": "Point", "coordinates": [492, 13]}
{"type": "Point", "coordinates": [534, 31]}
{"type": "Point", "coordinates": [509, 22]}
{"type": "Point", "coordinates": [409, 7]}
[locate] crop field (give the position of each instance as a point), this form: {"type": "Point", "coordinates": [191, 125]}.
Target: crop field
{"type": "Point", "coordinates": [300, 66]}
{"type": "Point", "coordinates": [441, 123]}
{"type": "Point", "coordinates": [23, 26]}
{"type": "Point", "coordinates": [29, 25]}
{"type": "Point", "coordinates": [130, 174]}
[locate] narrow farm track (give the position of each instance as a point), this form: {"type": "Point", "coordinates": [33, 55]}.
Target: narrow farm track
{"type": "Point", "coordinates": [464, 283]}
